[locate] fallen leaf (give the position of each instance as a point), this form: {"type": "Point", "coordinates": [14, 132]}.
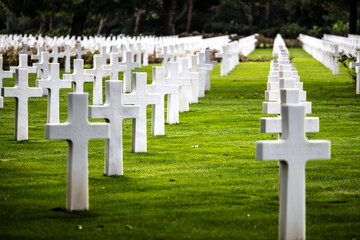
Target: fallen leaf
{"type": "Point", "coordinates": [225, 154]}
{"type": "Point", "coordinates": [172, 180]}
{"type": "Point", "coordinates": [128, 227]}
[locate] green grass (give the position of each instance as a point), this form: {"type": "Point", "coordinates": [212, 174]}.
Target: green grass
{"type": "Point", "coordinates": [220, 191]}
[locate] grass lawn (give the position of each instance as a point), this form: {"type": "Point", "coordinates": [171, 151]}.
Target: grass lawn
{"type": "Point", "coordinates": [174, 191]}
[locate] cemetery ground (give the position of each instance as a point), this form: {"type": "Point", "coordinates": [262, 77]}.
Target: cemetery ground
{"type": "Point", "coordinates": [200, 180]}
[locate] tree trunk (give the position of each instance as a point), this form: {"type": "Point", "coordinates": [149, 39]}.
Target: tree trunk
{"type": "Point", "coordinates": [79, 19]}
{"type": "Point", "coordinates": [101, 24]}
{"type": "Point", "coordinates": [137, 21]}
{"type": "Point", "coordinates": [267, 13]}
{"type": "Point", "coordinates": [42, 24]}
{"type": "Point", "coordinates": [170, 7]}
{"type": "Point", "coordinates": [353, 16]}
{"type": "Point", "coordinates": [250, 18]}
{"type": "Point", "coordinates": [51, 22]}
{"type": "Point", "coordinates": [189, 16]}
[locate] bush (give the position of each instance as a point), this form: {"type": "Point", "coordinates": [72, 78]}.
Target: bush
{"type": "Point", "coordinates": [316, 32]}
{"type": "Point", "coordinates": [291, 30]}
{"type": "Point", "coordinates": [344, 60]}
{"type": "Point", "coordinates": [340, 28]}
{"type": "Point", "coordinates": [264, 42]}
{"type": "Point", "coordinates": [269, 32]}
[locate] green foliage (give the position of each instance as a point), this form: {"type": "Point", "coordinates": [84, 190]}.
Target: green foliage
{"type": "Point", "coordinates": [269, 32]}
{"type": "Point", "coordinates": [340, 28]}
{"type": "Point", "coordinates": [344, 61]}
{"type": "Point", "coordinates": [62, 30]}
{"type": "Point", "coordinates": [291, 30]}
{"type": "Point", "coordinates": [316, 32]}
{"type": "Point", "coordinates": [175, 191]}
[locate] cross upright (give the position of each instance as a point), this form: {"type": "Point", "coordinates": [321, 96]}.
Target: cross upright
{"type": "Point", "coordinates": [166, 57]}
{"type": "Point", "coordinates": [37, 56]}
{"type": "Point", "coordinates": [114, 66]}
{"type": "Point", "coordinates": [208, 68]}
{"type": "Point", "coordinates": [79, 52]}
{"type": "Point", "coordinates": [22, 92]}
{"type": "Point", "coordinates": [114, 112]}
{"type": "Point", "coordinates": [139, 52]}
{"type": "Point", "coordinates": [194, 79]}
{"type": "Point", "coordinates": [24, 50]}
{"type": "Point", "coordinates": [173, 101]}
{"type": "Point", "coordinates": [356, 65]}
{"type": "Point", "coordinates": [158, 86]}
{"type": "Point", "coordinates": [54, 84]}
{"type": "Point", "coordinates": [104, 55]}
{"type": "Point", "coordinates": [3, 74]}
{"type": "Point", "coordinates": [208, 59]}
{"type": "Point", "coordinates": [23, 63]}
{"type": "Point", "coordinates": [55, 55]}
{"type": "Point", "coordinates": [78, 76]}
{"type": "Point", "coordinates": [225, 55]}
{"type": "Point", "coordinates": [139, 96]}
{"type": "Point", "coordinates": [43, 65]}
{"type": "Point", "coordinates": [293, 150]}
{"type": "Point", "coordinates": [130, 65]}
{"type": "Point", "coordinates": [202, 74]}
{"type": "Point", "coordinates": [98, 72]}
{"type": "Point", "coordinates": [184, 90]}
{"type": "Point", "coordinates": [68, 54]}
{"type": "Point", "coordinates": [77, 131]}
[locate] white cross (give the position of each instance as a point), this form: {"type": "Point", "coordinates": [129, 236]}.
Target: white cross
{"type": "Point", "coordinates": [79, 51]}
{"type": "Point", "coordinates": [173, 99]}
{"type": "Point", "coordinates": [208, 68]}
{"type": "Point", "coordinates": [68, 54]}
{"type": "Point", "coordinates": [104, 55]}
{"type": "Point", "coordinates": [194, 79]}
{"type": "Point", "coordinates": [158, 86]}
{"type": "Point", "coordinates": [23, 63]}
{"type": "Point", "coordinates": [114, 112]}
{"type": "Point", "coordinates": [43, 65]}
{"type": "Point", "coordinates": [356, 65]}
{"type": "Point", "coordinates": [22, 92]}
{"type": "Point", "coordinates": [202, 75]}
{"type": "Point", "coordinates": [77, 131]}
{"type": "Point", "coordinates": [166, 57]}
{"type": "Point", "coordinates": [139, 96]}
{"type": "Point", "coordinates": [208, 59]}
{"type": "Point", "coordinates": [224, 68]}
{"type": "Point", "coordinates": [130, 65]}
{"type": "Point", "coordinates": [3, 74]}
{"type": "Point", "coordinates": [24, 50]}
{"type": "Point", "coordinates": [78, 76]}
{"type": "Point", "coordinates": [184, 90]}
{"type": "Point", "coordinates": [55, 55]}
{"type": "Point", "coordinates": [114, 66]}
{"type": "Point", "coordinates": [37, 56]}
{"type": "Point", "coordinates": [139, 51]}
{"type": "Point", "coordinates": [98, 72]}
{"type": "Point", "coordinates": [293, 150]}
{"type": "Point", "coordinates": [54, 84]}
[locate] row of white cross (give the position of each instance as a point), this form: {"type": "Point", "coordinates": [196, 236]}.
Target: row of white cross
{"type": "Point", "coordinates": [285, 97]}
{"type": "Point", "coordinates": [348, 45]}
{"type": "Point", "coordinates": [124, 99]}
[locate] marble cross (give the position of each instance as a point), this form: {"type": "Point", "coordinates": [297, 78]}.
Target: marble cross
{"type": "Point", "coordinates": [54, 84]}
{"type": "Point", "coordinates": [77, 131]}
{"type": "Point", "coordinates": [114, 112]}
{"type": "Point", "coordinates": [68, 54]}
{"type": "Point", "coordinates": [194, 79]}
{"type": "Point", "coordinates": [22, 92]}
{"type": "Point", "coordinates": [23, 63]}
{"type": "Point", "coordinates": [43, 65]}
{"type": "Point", "coordinates": [3, 74]}
{"type": "Point", "coordinates": [78, 76]}
{"type": "Point", "coordinates": [356, 65]}
{"type": "Point", "coordinates": [114, 66]}
{"type": "Point", "coordinates": [184, 90]}
{"type": "Point", "coordinates": [166, 57]}
{"type": "Point", "coordinates": [24, 50]}
{"type": "Point", "coordinates": [55, 55]}
{"type": "Point", "coordinates": [130, 65]}
{"type": "Point", "coordinates": [79, 52]}
{"type": "Point", "coordinates": [99, 72]}
{"type": "Point", "coordinates": [293, 150]}
{"type": "Point", "coordinates": [159, 87]}
{"type": "Point", "coordinates": [202, 75]}
{"type": "Point", "coordinates": [208, 59]}
{"type": "Point", "coordinates": [37, 56]}
{"type": "Point", "coordinates": [173, 101]}
{"type": "Point", "coordinates": [208, 68]}
{"type": "Point", "coordinates": [140, 96]}
{"type": "Point", "coordinates": [104, 55]}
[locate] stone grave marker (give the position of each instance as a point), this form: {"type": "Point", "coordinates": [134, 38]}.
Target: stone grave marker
{"type": "Point", "coordinates": [114, 112]}
{"type": "Point", "coordinates": [23, 63]}
{"type": "Point", "coordinates": [54, 84]}
{"type": "Point", "coordinates": [293, 150]}
{"type": "Point", "coordinates": [208, 68]}
{"type": "Point", "coordinates": [184, 90]}
{"type": "Point", "coordinates": [68, 54]}
{"type": "Point", "coordinates": [202, 75]}
{"type": "Point", "coordinates": [3, 74]}
{"type": "Point", "coordinates": [77, 131]}
{"type": "Point", "coordinates": [356, 65]}
{"type": "Point", "coordinates": [24, 50]}
{"type": "Point", "coordinates": [55, 55]}
{"type": "Point", "coordinates": [166, 57]}
{"type": "Point", "coordinates": [173, 99]}
{"type": "Point", "coordinates": [79, 52]}
{"type": "Point", "coordinates": [78, 76]}
{"type": "Point", "coordinates": [130, 65]}
{"type": "Point", "coordinates": [208, 59]}
{"type": "Point", "coordinates": [139, 96]}
{"type": "Point", "coordinates": [22, 92]}
{"type": "Point", "coordinates": [194, 79]}
{"type": "Point", "coordinates": [159, 87]}
{"type": "Point", "coordinates": [114, 66]}
{"type": "Point", "coordinates": [98, 72]}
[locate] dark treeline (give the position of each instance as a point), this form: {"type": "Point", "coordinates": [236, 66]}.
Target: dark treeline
{"type": "Point", "coordinates": [166, 17]}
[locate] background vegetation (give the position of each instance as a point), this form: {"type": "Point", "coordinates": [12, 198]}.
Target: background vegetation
{"type": "Point", "coordinates": [164, 17]}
